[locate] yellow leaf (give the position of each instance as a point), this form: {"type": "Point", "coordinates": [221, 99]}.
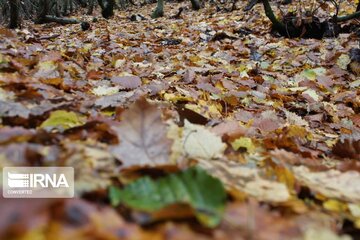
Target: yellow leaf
{"type": "Point", "coordinates": [105, 90]}
{"type": "Point", "coordinates": [311, 74]}
{"type": "Point", "coordinates": [334, 205]}
{"type": "Point", "coordinates": [343, 61]}
{"type": "Point", "coordinates": [171, 97]}
{"type": "Point", "coordinates": [354, 209]}
{"type": "Point", "coordinates": [244, 142]}
{"type": "Point", "coordinates": [312, 93]}
{"type": "Point", "coordinates": [297, 131]}
{"type": "Point", "coordinates": [63, 120]}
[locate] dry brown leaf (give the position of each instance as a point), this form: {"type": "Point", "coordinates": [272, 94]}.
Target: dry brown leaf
{"type": "Point", "coordinates": [142, 136]}
{"type": "Point", "coordinates": [127, 82]}
{"type": "Point", "coordinates": [348, 146]}
{"type": "Point", "coordinates": [246, 179]}
{"type": "Point", "coordinates": [252, 220]}
{"type": "Point", "coordinates": [199, 142]}
{"type": "Point", "coordinates": [333, 183]}
{"type": "Point", "coordinates": [229, 128]}
{"type": "Point", "coordinates": [94, 166]}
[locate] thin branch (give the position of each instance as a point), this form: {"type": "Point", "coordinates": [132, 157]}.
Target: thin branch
{"type": "Point", "coordinates": [270, 14]}
{"type": "Point", "coordinates": [348, 17]}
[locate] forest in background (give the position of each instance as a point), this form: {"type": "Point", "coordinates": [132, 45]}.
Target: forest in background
{"type": "Point", "coordinates": [184, 120]}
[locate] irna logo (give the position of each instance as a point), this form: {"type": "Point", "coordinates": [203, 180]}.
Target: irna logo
{"type": "Point", "coordinates": [38, 182]}
{"type": "Point", "coordinates": [19, 180]}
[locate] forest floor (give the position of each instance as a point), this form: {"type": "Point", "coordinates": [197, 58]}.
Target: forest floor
{"type": "Point", "coordinates": [272, 124]}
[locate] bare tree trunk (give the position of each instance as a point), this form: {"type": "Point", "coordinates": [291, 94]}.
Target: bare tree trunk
{"type": "Point", "coordinates": [280, 26]}
{"type": "Point", "coordinates": [159, 10]}
{"type": "Point", "coordinates": [45, 7]}
{"type": "Point", "coordinates": [107, 7]}
{"type": "Point", "coordinates": [57, 8]}
{"type": "Point", "coordinates": [65, 8]}
{"type": "Point", "coordinates": [14, 14]}
{"type": "Point", "coordinates": [71, 6]}
{"type": "Point", "coordinates": [83, 3]}
{"type": "Point", "coordinates": [195, 4]}
{"type": "Point", "coordinates": [91, 7]}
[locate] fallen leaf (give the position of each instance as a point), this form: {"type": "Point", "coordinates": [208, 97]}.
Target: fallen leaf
{"type": "Point", "coordinates": [63, 120]}
{"type": "Point", "coordinates": [105, 90]}
{"type": "Point", "coordinates": [199, 142]}
{"type": "Point", "coordinates": [343, 61]}
{"type": "Point", "coordinates": [245, 143]}
{"type": "Point", "coordinates": [246, 179]}
{"type": "Point", "coordinates": [127, 82]}
{"type": "Point", "coordinates": [332, 183]}
{"type": "Point", "coordinates": [348, 146]}
{"type": "Point", "coordinates": [193, 186]}
{"type": "Point", "coordinates": [142, 135]}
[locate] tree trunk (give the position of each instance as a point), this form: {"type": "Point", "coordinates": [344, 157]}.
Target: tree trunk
{"type": "Point", "coordinates": [14, 14]}
{"type": "Point", "coordinates": [57, 9]}
{"type": "Point", "coordinates": [107, 7]}
{"type": "Point", "coordinates": [45, 7]}
{"type": "Point", "coordinates": [65, 8]}
{"type": "Point", "coordinates": [195, 4]}
{"type": "Point", "coordinates": [159, 10]}
{"type": "Point", "coordinates": [91, 7]}
{"type": "Point", "coordinates": [101, 3]}
{"type": "Point", "coordinates": [71, 6]}
{"type": "Point", "coordinates": [278, 25]}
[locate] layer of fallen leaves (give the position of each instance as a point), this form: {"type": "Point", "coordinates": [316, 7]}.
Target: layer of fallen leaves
{"type": "Point", "coordinates": [273, 120]}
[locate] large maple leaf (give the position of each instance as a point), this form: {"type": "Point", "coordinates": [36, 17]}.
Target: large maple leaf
{"type": "Point", "coordinates": [142, 135]}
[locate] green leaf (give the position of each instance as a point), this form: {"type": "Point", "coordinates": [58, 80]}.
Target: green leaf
{"type": "Point", "coordinates": [311, 74]}
{"type": "Point", "coordinates": [63, 119]}
{"type": "Point", "coordinates": [194, 186]}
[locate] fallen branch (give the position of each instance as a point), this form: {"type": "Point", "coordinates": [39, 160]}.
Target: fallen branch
{"type": "Point", "coordinates": [348, 17]}
{"type": "Point", "coordinates": [176, 16]}
{"type": "Point", "coordinates": [49, 18]}
{"type": "Point", "coordinates": [49, 37]}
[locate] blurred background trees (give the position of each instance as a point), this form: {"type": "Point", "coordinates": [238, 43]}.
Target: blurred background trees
{"type": "Point", "coordinates": [320, 19]}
